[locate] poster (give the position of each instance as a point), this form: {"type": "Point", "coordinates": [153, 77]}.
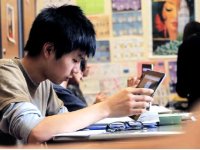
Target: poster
{"type": "Point", "coordinates": [91, 7]}
{"type": "Point", "coordinates": [126, 17]}
{"type": "Point", "coordinates": [168, 21]}
{"type": "Point", "coordinates": [128, 49]}
{"type": "Point", "coordinates": [102, 53]}
{"type": "Point", "coordinates": [101, 25]}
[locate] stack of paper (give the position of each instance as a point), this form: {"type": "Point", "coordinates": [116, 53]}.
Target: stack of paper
{"type": "Point", "coordinates": [146, 118]}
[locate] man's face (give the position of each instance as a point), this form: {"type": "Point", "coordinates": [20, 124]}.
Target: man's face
{"type": "Point", "coordinates": [62, 69]}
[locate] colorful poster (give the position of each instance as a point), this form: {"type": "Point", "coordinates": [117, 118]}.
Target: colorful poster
{"type": "Point", "coordinates": [128, 49]}
{"type": "Point", "coordinates": [101, 25]}
{"type": "Point", "coordinates": [168, 21]}
{"type": "Point", "coordinates": [126, 17]}
{"type": "Point", "coordinates": [91, 7]}
{"type": "Point", "coordinates": [126, 5]}
{"type": "Point", "coordinates": [102, 52]}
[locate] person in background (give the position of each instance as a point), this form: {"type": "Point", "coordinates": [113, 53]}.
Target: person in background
{"type": "Point", "coordinates": [70, 93]}
{"type": "Point", "coordinates": [191, 28]}
{"type": "Point", "coordinates": [73, 83]}
{"type": "Point", "coordinates": [188, 78]}
{"type": "Point", "coordinates": [30, 110]}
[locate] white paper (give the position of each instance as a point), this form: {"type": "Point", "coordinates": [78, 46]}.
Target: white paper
{"type": "Point", "coordinates": [146, 117]}
{"type": "Point", "coordinates": [81, 133]}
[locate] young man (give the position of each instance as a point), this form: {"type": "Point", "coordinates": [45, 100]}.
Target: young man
{"type": "Point", "coordinates": [69, 91]}
{"type": "Point", "coordinates": [30, 110]}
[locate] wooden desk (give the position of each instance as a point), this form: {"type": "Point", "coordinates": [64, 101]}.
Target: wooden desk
{"type": "Point", "coordinates": [169, 141]}
{"type": "Point", "coordinates": [188, 140]}
{"type": "Point", "coordinates": [151, 142]}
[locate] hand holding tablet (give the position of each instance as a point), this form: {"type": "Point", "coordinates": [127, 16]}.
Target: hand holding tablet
{"type": "Point", "coordinates": [150, 79]}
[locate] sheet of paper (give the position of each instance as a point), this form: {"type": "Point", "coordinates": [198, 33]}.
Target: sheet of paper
{"type": "Point", "coordinates": [82, 133]}
{"type": "Point", "coordinates": [149, 117]}
{"type": "Point", "coordinates": [146, 117]}
{"type": "Point", "coordinates": [110, 120]}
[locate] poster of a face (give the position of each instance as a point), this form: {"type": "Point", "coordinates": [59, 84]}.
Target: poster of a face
{"type": "Point", "coordinates": [169, 19]}
{"type": "Point", "coordinates": [10, 23]}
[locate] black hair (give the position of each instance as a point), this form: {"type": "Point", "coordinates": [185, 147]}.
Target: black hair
{"type": "Point", "coordinates": [190, 29]}
{"type": "Point", "coordinates": [65, 27]}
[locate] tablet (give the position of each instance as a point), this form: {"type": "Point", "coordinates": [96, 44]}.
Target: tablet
{"type": "Point", "coordinates": [151, 79]}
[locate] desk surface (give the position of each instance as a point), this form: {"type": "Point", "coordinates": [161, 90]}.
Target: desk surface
{"type": "Point", "coordinates": [154, 142]}
{"type": "Point", "coordinates": [130, 142]}
{"type": "Point", "coordinates": [102, 135]}
{"type": "Point", "coordinates": [169, 141]}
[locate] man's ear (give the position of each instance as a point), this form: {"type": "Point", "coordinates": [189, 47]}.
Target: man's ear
{"type": "Point", "coordinates": [48, 49]}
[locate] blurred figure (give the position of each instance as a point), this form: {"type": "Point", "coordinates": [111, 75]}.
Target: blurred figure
{"type": "Point", "coordinates": [188, 79]}
{"type": "Point", "coordinates": [74, 83]}
{"type": "Point", "coordinates": [192, 27]}
{"type": "Point", "coordinates": [70, 93]}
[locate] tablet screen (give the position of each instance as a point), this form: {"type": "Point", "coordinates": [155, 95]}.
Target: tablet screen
{"type": "Point", "coordinates": [151, 79]}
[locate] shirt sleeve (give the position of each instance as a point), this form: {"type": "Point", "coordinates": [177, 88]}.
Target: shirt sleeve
{"type": "Point", "coordinates": [9, 92]}
{"type": "Point", "coordinates": [19, 119]}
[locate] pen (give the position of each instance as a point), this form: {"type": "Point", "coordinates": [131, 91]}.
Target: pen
{"type": "Point", "coordinates": [97, 127]}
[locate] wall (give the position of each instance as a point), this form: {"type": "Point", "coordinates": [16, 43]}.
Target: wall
{"type": "Point", "coordinates": [29, 11]}
{"type": "Point", "coordinates": [122, 55]}
{"type": "Point", "coordinates": [9, 45]}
